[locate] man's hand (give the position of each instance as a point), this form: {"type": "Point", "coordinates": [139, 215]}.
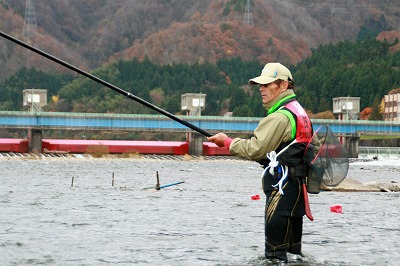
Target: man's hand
{"type": "Point", "coordinates": [218, 139]}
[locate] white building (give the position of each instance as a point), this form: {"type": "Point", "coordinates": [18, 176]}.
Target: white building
{"type": "Point", "coordinates": [346, 108]}
{"type": "Point", "coordinates": [36, 99]}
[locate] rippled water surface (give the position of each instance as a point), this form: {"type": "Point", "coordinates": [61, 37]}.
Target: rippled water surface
{"type": "Point", "coordinates": [209, 219]}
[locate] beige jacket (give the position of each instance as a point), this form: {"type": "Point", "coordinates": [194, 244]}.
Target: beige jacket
{"type": "Point", "coordinates": [269, 134]}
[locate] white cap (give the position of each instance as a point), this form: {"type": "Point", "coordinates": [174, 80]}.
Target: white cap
{"type": "Point", "coordinates": [272, 72]}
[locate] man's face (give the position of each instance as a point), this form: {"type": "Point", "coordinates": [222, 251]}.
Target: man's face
{"type": "Point", "coordinates": [269, 91]}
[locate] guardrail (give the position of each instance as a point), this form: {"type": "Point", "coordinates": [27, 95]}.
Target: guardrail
{"type": "Point", "coordinates": [134, 122]}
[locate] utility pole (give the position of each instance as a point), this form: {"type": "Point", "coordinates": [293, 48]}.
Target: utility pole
{"type": "Point", "coordinates": [248, 14]}
{"type": "Point", "coordinates": [30, 25]}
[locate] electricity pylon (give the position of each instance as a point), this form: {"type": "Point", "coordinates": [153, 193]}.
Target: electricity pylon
{"type": "Point", "coordinates": [248, 14]}
{"type": "Point", "coordinates": [30, 25]}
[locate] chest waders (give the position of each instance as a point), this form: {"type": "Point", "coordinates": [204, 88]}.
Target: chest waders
{"type": "Point", "coordinates": [283, 180]}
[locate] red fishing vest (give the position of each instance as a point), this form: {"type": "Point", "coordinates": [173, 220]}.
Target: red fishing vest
{"type": "Point", "coordinates": [301, 124]}
{"type": "Point", "coordinates": [301, 131]}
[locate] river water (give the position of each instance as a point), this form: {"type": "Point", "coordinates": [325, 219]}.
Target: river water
{"type": "Point", "coordinates": [210, 219]}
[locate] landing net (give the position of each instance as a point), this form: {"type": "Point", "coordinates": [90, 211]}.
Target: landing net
{"type": "Point", "coordinates": [327, 157]}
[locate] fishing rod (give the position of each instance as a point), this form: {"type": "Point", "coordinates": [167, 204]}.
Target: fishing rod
{"type": "Point", "coordinates": [105, 83]}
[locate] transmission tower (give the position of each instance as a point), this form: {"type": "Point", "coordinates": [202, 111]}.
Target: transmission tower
{"type": "Point", "coordinates": [30, 26]}
{"type": "Point", "coordinates": [248, 14]}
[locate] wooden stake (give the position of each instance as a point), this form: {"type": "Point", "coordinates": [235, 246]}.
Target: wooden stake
{"type": "Point", "coordinates": [158, 182]}
{"type": "Point", "coordinates": [112, 182]}
{"type": "Point", "coordinates": [72, 182]}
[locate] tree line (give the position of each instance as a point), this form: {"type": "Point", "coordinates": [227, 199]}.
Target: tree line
{"type": "Point", "coordinates": [367, 69]}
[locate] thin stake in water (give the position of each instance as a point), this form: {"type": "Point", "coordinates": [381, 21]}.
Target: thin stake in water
{"type": "Point", "coordinates": [158, 182]}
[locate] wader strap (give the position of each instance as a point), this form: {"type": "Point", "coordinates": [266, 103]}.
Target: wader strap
{"type": "Point", "coordinates": [273, 166]}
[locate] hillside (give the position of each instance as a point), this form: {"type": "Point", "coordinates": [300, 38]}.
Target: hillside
{"type": "Point", "coordinates": [92, 32]}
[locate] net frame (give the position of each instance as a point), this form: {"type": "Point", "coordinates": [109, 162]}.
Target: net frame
{"type": "Point", "coordinates": [327, 157]}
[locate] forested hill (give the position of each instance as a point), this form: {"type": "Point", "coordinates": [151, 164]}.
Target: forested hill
{"type": "Point", "coordinates": [91, 32]}
{"type": "Point", "coordinates": [367, 69]}
{"type": "Point", "coordinates": [158, 50]}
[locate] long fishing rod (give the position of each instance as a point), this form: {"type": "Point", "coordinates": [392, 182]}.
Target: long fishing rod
{"type": "Point", "coordinates": [105, 83]}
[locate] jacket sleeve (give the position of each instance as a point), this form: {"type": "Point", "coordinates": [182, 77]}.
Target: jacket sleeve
{"type": "Point", "coordinates": [269, 134]}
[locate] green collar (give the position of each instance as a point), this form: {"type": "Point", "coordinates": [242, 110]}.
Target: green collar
{"type": "Point", "coordinates": [279, 103]}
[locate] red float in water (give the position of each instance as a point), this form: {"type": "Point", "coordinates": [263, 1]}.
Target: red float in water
{"type": "Point", "coordinates": [336, 208]}
{"type": "Point", "coordinates": [255, 197]}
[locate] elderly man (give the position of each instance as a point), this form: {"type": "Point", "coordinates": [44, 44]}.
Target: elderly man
{"type": "Point", "coordinates": [278, 144]}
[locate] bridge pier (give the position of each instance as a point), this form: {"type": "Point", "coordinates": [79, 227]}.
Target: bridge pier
{"type": "Point", "coordinates": [195, 141]}
{"type": "Point", "coordinates": [35, 140]}
{"type": "Point", "coordinates": [351, 144]}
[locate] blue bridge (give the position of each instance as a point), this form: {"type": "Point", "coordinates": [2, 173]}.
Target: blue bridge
{"type": "Point", "coordinates": [349, 130]}
{"type": "Point", "coordinates": [138, 122]}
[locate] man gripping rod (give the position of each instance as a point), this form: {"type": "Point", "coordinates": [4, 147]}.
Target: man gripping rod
{"type": "Point", "coordinates": [278, 144]}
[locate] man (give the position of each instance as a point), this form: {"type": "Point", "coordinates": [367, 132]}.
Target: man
{"type": "Point", "coordinates": [278, 144]}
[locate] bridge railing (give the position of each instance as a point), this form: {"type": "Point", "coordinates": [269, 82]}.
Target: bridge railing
{"type": "Point", "coordinates": [134, 122]}
{"type": "Point", "coordinates": [151, 122]}
{"type": "Point", "coordinates": [361, 126]}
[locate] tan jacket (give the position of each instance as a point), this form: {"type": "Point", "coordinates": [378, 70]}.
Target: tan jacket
{"type": "Point", "coordinates": [269, 134]}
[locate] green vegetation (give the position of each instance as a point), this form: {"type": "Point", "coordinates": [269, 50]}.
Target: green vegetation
{"type": "Point", "coordinates": [11, 89]}
{"type": "Point", "coordinates": [365, 69]}
{"type": "Point", "coordinates": [372, 27]}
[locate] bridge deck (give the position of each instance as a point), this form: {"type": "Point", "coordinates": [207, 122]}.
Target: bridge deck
{"type": "Point", "coordinates": [139, 122]}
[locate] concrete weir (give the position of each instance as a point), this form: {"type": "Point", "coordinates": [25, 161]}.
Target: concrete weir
{"type": "Point", "coordinates": [195, 140]}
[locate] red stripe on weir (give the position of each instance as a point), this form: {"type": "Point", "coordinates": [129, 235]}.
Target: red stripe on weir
{"type": "Point", "coordinates": [118, 146]}
{"type": "Point", "coordinates": [14, 145]}
{"type": "Point", "coordinates": [211, 149]}
{"type": "Point", "coordinates": [114, 146]}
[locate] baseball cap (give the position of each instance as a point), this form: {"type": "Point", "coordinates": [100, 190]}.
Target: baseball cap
{"type": "Point", "coordinates": [272, 72]}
